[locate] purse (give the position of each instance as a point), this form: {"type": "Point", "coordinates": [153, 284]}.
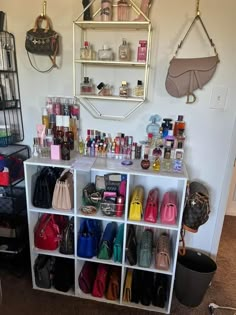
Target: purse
{"type": "Point", "coordinates": [136, 205]}
{"type": "Point", "coordinates": [43, 270]}
{"type": "Point", "coordinates": [118, 244]}
{"type": "Point", "coordinates": [67, 240]}
{"type": "Point", "coordinates": [169, 208]}
{"type": "Point", "coordinates": [159, 296]}
{"type": "Point", "coordinates": [136, 286]}
{"type": "Point", "coordinates": [63, 194]}
{"type": "Point", "coordinates": [128, 283]}
{"type": "Point", "coordinates": [106, 247]}
{"type": "Point", "coordinates": [131, 246]}
{"type": "Point", "coordinates": [147, 288]}
{"type": "Point", "coordinates": [162, 257]}
{"type": "Point", "coordinates": [113, 290]}
{"type": "Point", "coordinates": [46, 233]}
{"type": "Point", "coordinates": [152, 205]}
{"type": "Point", "coordinates": [99, 285]}
{"type": "Point", "coordinates": [42, 41]}
{"type": "Point", "coordinates": [145, 249]}
{"type": "Point", "coordinates": [189, 74]}
{"type": "Point", "coordinates": [87, 276]}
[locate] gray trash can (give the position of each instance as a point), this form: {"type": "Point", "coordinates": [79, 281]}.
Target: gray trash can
{"type": "Point", "coordinates": [194, 272]}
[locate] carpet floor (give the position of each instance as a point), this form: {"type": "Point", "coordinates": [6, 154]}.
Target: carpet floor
{"type": "Point", "coordinates": [20, 299]}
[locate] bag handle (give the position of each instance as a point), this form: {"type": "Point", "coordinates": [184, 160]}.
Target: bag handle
{"type": "Point", "coordinates": [38, 22]}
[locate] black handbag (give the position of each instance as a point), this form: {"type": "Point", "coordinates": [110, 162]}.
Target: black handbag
{"type": "Point", "coordinates": [67, 241]}
{"type": "Point", "coordinates": [42, 41]}
{"type": "Point", "coordinates": [131, 246]}
{"type": "Point", "coordinates": [64, 274]}
{"type": "Point", "coordinates": [43, 270]}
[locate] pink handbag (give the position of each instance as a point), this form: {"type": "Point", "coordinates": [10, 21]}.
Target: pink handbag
{"type": "Point", "coordinates": [152, 205]}
{"type": "Point", "coordinates": [169, 208]}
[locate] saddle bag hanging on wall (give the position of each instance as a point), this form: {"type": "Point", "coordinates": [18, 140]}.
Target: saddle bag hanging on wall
{"type": "Point", "coordinates": [185, 75]}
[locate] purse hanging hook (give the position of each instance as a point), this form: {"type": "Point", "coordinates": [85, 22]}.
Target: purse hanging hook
{"type": "Point", "coordinates": [197, 8]}
{"type": "Point", "coordinates": [43, 14]}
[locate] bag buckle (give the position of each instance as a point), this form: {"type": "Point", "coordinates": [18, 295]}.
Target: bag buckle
{"type": "Point", "coordinates": [191, 98]}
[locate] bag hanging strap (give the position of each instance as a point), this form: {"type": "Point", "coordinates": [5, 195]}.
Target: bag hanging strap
{"type": "Point", "coordinates": [197, 18]}
{"type": "Point", "coordinates": [182, 248]}
{"type": "Point", "coordinates": [39, 20]}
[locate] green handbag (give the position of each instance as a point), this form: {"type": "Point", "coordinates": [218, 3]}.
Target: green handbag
{"type": "Point", "coordinates": [145, 249]}
{"type": "Point", "coordinates": [106, 247]}
{"type": "Point", "coordinates": [118, 244]}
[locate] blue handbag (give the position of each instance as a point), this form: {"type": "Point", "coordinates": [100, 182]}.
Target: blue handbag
{"type": "Point", "coordinates": [88, 238]}
{"type": "Point", "coordinates": [118, 244]}
{"type": "Point", "coordinates": [106, 247]}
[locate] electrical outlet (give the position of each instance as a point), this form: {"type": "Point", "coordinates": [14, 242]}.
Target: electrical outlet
{"type": "Point", "coordinates": [218, 97]}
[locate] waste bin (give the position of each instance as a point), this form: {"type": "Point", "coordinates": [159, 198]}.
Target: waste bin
{"type": "Point", "coordinates": [194, 272]}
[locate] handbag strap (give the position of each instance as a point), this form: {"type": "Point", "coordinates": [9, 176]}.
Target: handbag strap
{"type": "Point", "coordinates": [52, 58]}
{"type": "Point", "coordinates": [197, 18]}
{"type": "Point", "coordinates": [38, 22]}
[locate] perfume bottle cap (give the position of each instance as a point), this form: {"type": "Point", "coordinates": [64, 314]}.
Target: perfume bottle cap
{"type": "Point", "coordinates": [180, 145]}
{"type": "Point", "coordinates": [86, 44]}
{"type": "Point", "coordinates": [86, 79]}
{"type": "Point", "coordinates": [180, 117]}
{"type": "Point", "coordinates": [123, 83]}
{"type": "Point", "coordinates": [170, 133]}
{"type": "Point", "coordinates": [105, 47]}
{"type": "Point", "coordinates": [45, 113]}
{"type": "Point", "coordinates": [143, 43]}
{"type": "Point", "coordinates": [139, 82]}
{"type": "Point", "coordinates": [168, 143]}
{"type": "Point", "coordinates": [124, 42]}
{"type": "Point", "coordinates": [100, 85]}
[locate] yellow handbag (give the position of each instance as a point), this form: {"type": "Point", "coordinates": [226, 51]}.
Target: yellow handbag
{"type": "Point", "coordinates": [128, 284]}
{"type": "Point", "coordinates": [136, 205]}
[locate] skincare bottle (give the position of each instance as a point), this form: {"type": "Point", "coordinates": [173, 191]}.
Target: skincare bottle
{"type": "Point", "coordinates": [124, 89]}
{"type": "Point", "coordinates": [86, 87]}
{"type": "Point", "coordinates": [139, 89]}
{"type": "Point", "coordinates": [142, 51]}
{"type": "Point", "coordinates": [45, 118]}
{"type": "Point", "coordinates": [86, 52]}
{"type": "Point", "coordinates": [124, 51]}
{"type": "Point", "coordinates": [122, 10]}
{"type": "Point", "coordinates": [105, 53]}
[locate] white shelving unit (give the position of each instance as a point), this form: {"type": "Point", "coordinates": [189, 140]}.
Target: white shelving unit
{"type": "Point", "coordinates": [85, 170]}
{"type": "Point", "coordinates": [101, 31]}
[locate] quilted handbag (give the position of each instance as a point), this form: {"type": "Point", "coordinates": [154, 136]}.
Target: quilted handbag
{"type": "Point", "coordinates": [46, 233]}
{"type": "Point", "coordinates": [106, 246]}
{"type": "Point", "coordinates": [136, 205]}
{"type": "Point", "coordinates": [113, 290]}
{"type": "Point", "coordinates": [152, 205]}
{"type": "Point", "coordinates": [100, 282]}
{"type": "Point", "coordinates": [128, 285]}
{"type": "Point", "coordinates": [169, 208]}
{"type": "Point", "coordinates": [118, 244]}
{"type": "Point", "coordinates": [87, 276]}
{"type": "Point", "coordinates": [145, 249]}
{"type": "Point", "coordinates": [162, 257]}
{"type": "Point", "coordinates": [131, 246]}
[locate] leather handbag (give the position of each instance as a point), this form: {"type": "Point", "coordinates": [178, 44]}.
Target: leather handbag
{"type": "Point", "coordinates": [63, 194]}
{"type": "Point", "coordinates": [106, 246]}
{"type": "Point", "coordinates": [113, 290]}
{"type": "Point", "coordinates": [67, 240]}
{"type": "Point", "coordinates": [88, 238]}
{"type": "Point", "coordinates": [63, 274]}
{"type": "Point", "coordinates": [169, 208]}
{"type": "Point", "coordinates": [87, 276]}
{"type": "Point", "coordinates": [189, 74]}
{"type": "Point", "coordinates": [42, 41]}
{"type": "Point", "coordinates": [43, 270]}
{"type": "Point", "coordinates": [162, 256]}
{"type": "Point", "coordinates": [152, 205]}
{"type": "Point", "coordinates": [136, 205]}
{"type": "Point", "coordinates": [46, 233]}
{"type": "Point", "coordinates": [145, 249]}
{"type": "Point", "coordinates": [100, 282]}
{"type": "Point", "coordinates": [128, 284]}
{"type": "Point", "coordinates": [147, 287]}
{"type": "Point", "coordinates": [131, 246]}
{"type": "Point", "coordinates": [118, 244]}
{"type": "Point", "coordinates": [136, 286]}
{"type": "Point", "coordinates": [159, 296]}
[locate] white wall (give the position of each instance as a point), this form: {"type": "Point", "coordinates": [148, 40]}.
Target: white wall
{"type": "Point", "coordinates": [208, 131]}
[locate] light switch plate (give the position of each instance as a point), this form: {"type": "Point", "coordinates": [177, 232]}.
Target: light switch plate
{"type": "Point", "coordinates": [218, 98]}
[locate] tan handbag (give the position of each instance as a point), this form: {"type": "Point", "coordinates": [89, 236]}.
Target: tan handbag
{"type": "Point", "coordinates": [128, 284]}
{"type": "Point", "coordinates": [63, 194]}
{"type": "Point", "coordinates": [189, 74]}
{"type": "Point", "coordinates": [163, 252]}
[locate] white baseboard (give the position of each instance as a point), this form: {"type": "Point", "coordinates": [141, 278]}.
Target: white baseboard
{"type": "Point", "coordinates": [233, 213]}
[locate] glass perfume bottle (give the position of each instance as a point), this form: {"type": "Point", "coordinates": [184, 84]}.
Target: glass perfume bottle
{"type": "Point", "coordinates": [124, 91]}
{"type": "Point", "coordinates": [179, 124]}
{"type": "Point", "coordinates": [157, 164]}
{"type": "Point", "coordinates": [139, 89]}
{"type": "Point", "coordinates": [106, 10]}
{"type": "Point", "coordinates": [124, 51]}
{"type": "Point", "coordinates": [86, 52]}
{"type": "Point", "coordinates": [122, 10]}
{"type": "Point", "coordinates": [104, 89]}
{"type": "Point", "coordinates": [86, 87]}
{"type": "Point", "coordinates": [105, 53]}
{"type": "Point", "coordinates": [145, 163]}
{"type": "Point", "coordinates": [142, 51]}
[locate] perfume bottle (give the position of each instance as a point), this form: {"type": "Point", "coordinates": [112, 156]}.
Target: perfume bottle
{"type": "Point", "coordinates": [65, 149]}
{"type": "Point", "coordinates": [142, 51]}
{"type": "Point", "coordinates": [139, 89]}
{"type": "Point", "coordinates": [124, 91]}
{"type": "Point", "coordinates": [179, 124]}
{"type": "Point", "coordinates": [86, 52]}
{"type": "Point", "coordinates": [157, 164]}
{"type": "Point", "coordinates": [124, 51]}
{"type": "Point", "coordinates": [106, 10]}
{"type": "Point", "coordinates": [166, 125]}
{"type": "Point", "coordinates": [122, 10]}
{"type": "Point", "coordinates": [145, 163]}
{"type": "Point", "coordinates": [45, 118]}
{"type": "Point", "coordinates": [104, 89]}
{"type": "Point", "coordinates": [86, 87]}
{"type": "Point", "coordinates": [105, 53]}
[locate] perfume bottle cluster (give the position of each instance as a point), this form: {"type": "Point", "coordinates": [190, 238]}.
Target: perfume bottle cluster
{"type": "Point", "coordinates": [165, 148]}
{"type": "Point", "coordinates": [106, 53]}
{"type": "Point", "coordinates": [57, 134]}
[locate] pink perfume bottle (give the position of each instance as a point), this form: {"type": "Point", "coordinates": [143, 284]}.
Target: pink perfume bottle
{"type": "Point", "coordinates": [122, 10]}
{"type": "Point", "coordinates": [142, 51]}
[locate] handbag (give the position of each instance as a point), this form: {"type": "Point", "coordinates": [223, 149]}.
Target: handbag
{"type": "Point", "coordinates": [128, 283]}
{"type": "Point", "coordinates": [43, 270]}
{"type": "Point", "coordinates": [88, 238]}
{"type": "Point", "coordinates": [87, 276]}
{"type": "Point", "coordinates": [162, 257]}
{"type": "Point", "coordinates": [106, 247]}
{"type": "Point", "coordinates": [147, 288]}
{"type": "Point", "coordinates": [118, 244]}
{"type": "Point", "coordinates": [131, 246]}
{"type": "Point", "coordinates": [46, 233]}
{"type": "Point", "coordinates": [64, 274]}
{"type": "Point", "coordinates": [145, 249]}
{"type": "Point", "coordinates": [136, 205]}
{"type": "Point", "coordinates": [151, 209]}
{"type": "Point", "coordinates": [42, 41]}
{"type": "Point", "coordinates": [63, 194]}
{"type": "Point", "coordinates": [99, 285]}
{"type": "Point", "coordinates": [169, 208]}
{"type": "Point", "coordinates": [136, 286]}
{"type": "Point", "coordinates": [113, 290]}
{"type": "Point", "coordinates": [189, 74]}
{"type": "Point", "coordinates": [67, 240]}
{"type": "Point", "coordinates": [159, 296]}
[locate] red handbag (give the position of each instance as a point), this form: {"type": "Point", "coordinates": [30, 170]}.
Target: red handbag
{"type": "Point", "coordinates": [46, 233]}
{"type": "Point", "coordinates": [169, 208]}
{"type": "Point", "coordinates": [152, 205]}
{"type": "Point", "coordinates": [99, 285]}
